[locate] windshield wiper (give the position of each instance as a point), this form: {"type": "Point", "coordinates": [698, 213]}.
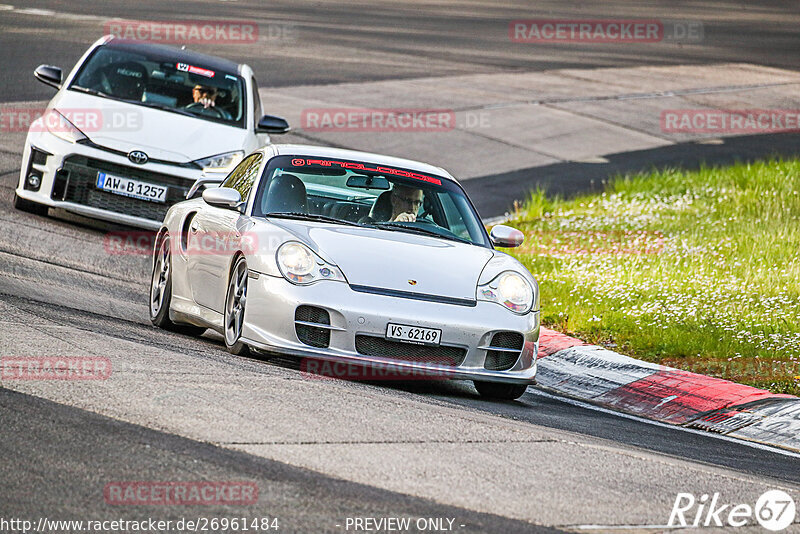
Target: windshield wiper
{"type": "Point", "coordinates": [164, 107]}
{"type": "Point", "coordinates": [311, 217]}
{"type": "Point", "coordinates": [93, 92]}
{"type": "Point", "coordinates": [400, 227]}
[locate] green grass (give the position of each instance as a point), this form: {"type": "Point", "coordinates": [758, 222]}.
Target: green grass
{"type": "Point", "coordinates": [698, 270]}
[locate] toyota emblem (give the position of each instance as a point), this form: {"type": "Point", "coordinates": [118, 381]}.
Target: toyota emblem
{"type": "Point", "coordinates": [138, 157]}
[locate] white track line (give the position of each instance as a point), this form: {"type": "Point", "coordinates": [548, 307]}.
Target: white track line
{"type": "Point", "coordinates": [624, 415]}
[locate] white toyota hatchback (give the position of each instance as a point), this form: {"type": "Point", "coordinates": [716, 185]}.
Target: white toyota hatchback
{"type": "Point", "coordinates": [133, 126]}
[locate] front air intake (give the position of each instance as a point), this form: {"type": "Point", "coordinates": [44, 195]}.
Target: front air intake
{"type": "Point", "coordinates": [306, 319]}
{"type": "Point", "coordinates": [398, 350]}
{"type": "Point", "coordinates": [509, 345]}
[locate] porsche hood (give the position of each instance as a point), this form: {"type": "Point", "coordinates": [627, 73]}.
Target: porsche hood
{"type": "Point", "coordinates": [396, 260]}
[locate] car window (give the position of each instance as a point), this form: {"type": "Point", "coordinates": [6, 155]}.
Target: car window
{"type": "Point", "coordinates": [244, 175]}
{"type": "Point", "coordinates": [370, 195]}
{"type": "Point", "coordinates": [153, 79]}
{"type": "Point", "coordinates": [256, 102]}
{"type": "Point", "coordinates": [452, 216]}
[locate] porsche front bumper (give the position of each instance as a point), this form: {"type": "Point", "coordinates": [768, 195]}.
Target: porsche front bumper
{"type": "Point", "coordinates": [269, 324]}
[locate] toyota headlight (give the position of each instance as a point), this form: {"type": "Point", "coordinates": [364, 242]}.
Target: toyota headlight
{"type": "Point", "coordinates": [58, 125]}
{"type": "Point", "coordinates": [509, 289]}
{"type": "Point", "coordinates": [300, 265]}
{"type": "Point", "coordinates": [221, 162]}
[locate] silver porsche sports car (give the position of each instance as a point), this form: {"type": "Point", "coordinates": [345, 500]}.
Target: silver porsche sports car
{"type": "Point", "coordinates": [353, 260]}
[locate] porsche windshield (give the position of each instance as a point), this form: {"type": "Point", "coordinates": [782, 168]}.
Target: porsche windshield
{"type": "Point", "coordinates": [351, 192]}
{"type": "Point", "coordinates": [155, 80]}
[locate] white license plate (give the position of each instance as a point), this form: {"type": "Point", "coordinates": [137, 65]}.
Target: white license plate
{"type": "Point", "coordinates": [131, 188]}
{"type": "Point", "coordinates": [413, 334]}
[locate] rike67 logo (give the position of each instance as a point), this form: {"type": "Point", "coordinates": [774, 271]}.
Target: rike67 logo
{"type": "Point", "coordinates": [774, 510]}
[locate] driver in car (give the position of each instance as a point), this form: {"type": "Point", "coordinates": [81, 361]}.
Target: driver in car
{"type": "Point", "coordinates": [207, 96]}
{"type": "Point", "coordinates": [399, 204]}
{"type": "Point", "coordinates": [405, 203]}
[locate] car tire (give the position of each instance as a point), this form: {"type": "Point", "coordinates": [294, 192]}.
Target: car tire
{"type": "Point", "coordinates": [161, 292]}
{"type": "Point", "coordinates": [29, 207]}
{"type": "Point", "coordinates": [500, 391]}
{"type": "Point", "coordinates": [233, 315]}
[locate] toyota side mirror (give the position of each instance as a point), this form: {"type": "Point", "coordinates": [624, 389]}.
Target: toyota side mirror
{"type": "Point", "coordinates": [271, 124]}
{"type": "Point", "coordinates": [505, 236]}
{"type": "Point", "coordinates": [49, 75]}
{"type": "Point", "coordinates": [223, 197]}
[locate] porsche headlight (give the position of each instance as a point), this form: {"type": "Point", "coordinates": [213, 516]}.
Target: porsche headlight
{"type": "Point", "coordinates": [58, 125]}
{"type": "Point", "coordinates": [509, 289]}
{"type": "Point", "coordinates": [300, 265]}
{"type": "Point", "coordinates": [221, 162]}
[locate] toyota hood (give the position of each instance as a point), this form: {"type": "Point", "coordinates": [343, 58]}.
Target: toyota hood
{"type": "Point", "coordinates": [161, 134]}
{"type": "Point", "coordinates": [396, 260]}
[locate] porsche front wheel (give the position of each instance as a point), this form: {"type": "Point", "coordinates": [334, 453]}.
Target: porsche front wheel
{"type": "Point", "coordinates": [235, 301]}
{"type": "Point", "coordinates": [161, 292]}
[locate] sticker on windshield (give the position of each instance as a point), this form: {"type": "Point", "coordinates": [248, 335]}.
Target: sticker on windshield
{"type": "Point", "coordinates": [195, 70]}
{"type": "Point", "coordinates": [298, 162]}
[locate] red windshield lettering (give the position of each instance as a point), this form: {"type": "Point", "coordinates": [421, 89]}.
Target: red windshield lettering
{"type": "Point", "coordinates": [356, 166]}
{"type": "Point", "coordinates": [298, 162]}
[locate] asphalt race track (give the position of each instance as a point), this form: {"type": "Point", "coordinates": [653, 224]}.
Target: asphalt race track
{"type": "Point", "coordinates": [178, 408]}
{"type": "Point", "coordinates": [330, 42]}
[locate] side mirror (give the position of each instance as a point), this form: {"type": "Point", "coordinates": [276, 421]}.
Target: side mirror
{"type": "Point", "coordinates": [49, 75]}
{"type": "Point", "coordinates": [272, 125]}
{"type": "Point", "coordinates": [204, 181]}
{"type": "Point", "coordinates": [223, 197]}
{"type": "Point", "coordinates": [505, 236]}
